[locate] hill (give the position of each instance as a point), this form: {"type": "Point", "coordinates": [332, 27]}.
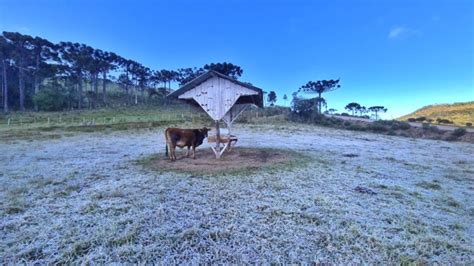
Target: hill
{"type": "Point", "coordinates": [458, 113]}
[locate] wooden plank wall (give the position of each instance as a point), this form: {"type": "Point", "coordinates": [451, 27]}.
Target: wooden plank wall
{"type": "Point", "coordinates": [217, 96]}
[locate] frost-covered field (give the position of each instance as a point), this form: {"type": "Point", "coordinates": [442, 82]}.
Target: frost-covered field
{"type": "Point", "coordinates": [82, 198]}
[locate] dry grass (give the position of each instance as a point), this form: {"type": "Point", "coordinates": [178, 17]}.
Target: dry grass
{"type": "Point", "coordinates": [83, 199]}
{"type": "Point", "coordinates": [459, 113]}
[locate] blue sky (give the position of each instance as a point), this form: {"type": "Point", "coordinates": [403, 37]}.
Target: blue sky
{"type": "Point", "coordinates": [401, 54]}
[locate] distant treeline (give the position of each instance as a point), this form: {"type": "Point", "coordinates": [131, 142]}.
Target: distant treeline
{"type": "Point", "coordinates": [37, 74]}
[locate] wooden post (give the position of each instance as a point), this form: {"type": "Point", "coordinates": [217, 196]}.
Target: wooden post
{"type": "Point", "coordinates": [218, 141]}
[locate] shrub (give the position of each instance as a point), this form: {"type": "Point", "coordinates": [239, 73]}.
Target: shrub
{"type": "Point", "coordinates": [347, 123]}
{"type": "Point", "coordinates": [420, 119]}
{"type": "Point", "coordinates": [345, 114]}
{"type": "Point", "coordinates": [411, 119]}
{"type": "Point", "coordinates": [377, 127]}
{"type": "Point", "coordinates": [468, 124]}
{"type": "Point", "coordinates": [356, 127]}
{"type": "Point", "coordinates": [391, 132]}
{"type": "Point", "coordinates": [395, 126]}
{"type": "Point", "coordinates": [459, 132]}
{"type": "Point", "coordinates": [336, 121]}
{"type": "Point", "coordinates": [404, 125]}
{"type": "Point", "coordinates": [443, 121]}
{"type": "Point", "coordinates": [451, 138]}
{"type": "Point", "coordinates": [50, 98]}
{"type": "Point", "coordinates": [428, 127]}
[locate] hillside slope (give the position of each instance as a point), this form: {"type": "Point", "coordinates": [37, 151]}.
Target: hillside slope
{"type": "Point", "coordinates": [459, 113]}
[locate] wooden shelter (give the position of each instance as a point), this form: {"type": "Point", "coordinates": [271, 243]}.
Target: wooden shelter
{"type": "Point", "coordinates": [222, 98]}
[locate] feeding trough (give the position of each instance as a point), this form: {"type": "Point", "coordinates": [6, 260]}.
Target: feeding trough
{"type": "Point", "coordinates": [222, 98]}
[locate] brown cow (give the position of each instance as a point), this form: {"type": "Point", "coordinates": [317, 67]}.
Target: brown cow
{"type": "Point", "coordinates": [190, 138]}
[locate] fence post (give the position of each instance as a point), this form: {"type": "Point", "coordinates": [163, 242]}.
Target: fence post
{"type": "Point", "coordinates": [48, 120]}
{"type": "Point", "coordinates": [8, 121]}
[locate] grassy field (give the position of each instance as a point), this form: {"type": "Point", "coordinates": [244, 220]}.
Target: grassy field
{"type": "Point", "coordinates": [358, 198]}
{"type": "Point", "coordinates": [459, 113]}
{"type": "Point", "coordinates": [98, 119]}
{"type": "Point", "coordinates": [99, 116]}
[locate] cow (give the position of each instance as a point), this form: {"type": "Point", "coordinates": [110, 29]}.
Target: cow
{"type": "Point", "coordinates": [190, 138]}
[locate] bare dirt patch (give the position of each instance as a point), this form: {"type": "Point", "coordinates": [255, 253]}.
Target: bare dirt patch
{"type": "Point", "coordinates": [238, 160]}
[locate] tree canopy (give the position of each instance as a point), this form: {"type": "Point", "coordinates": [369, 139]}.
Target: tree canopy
{"type": "Point", "coordinates": [376, 110]}
{"type": "Point", "coordinates": [319, 87]}
{"type": "Point", "coordinates": [352, 107]}
{"type": "Point", "coordinates": [272, 98]}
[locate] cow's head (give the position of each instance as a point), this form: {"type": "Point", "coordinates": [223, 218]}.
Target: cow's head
{"type": "Point", "coordinates": [201, 134]}
{"type": "Point", "coordinates": [204, 131]}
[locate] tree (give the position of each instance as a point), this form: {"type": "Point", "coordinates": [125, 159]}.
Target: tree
{"type": "Point", "coordinates": [43, 50]}
{"type": "Point", "coordinates": [167, 76]}
{"type": "Point", "coordinates": [303, 107]}
{"type": "Point", "coordinates": [319, 87]}
{"type": "Point", "coordinates": [352, 107]}
{"type": "Point", "coordinates": [128, 77]}
{"type": "Point", "coordinates": [185, 75]}
{"type": "Point", "coordinates": [21, 54]}
{"type": "Point", "coordinates": [331, 111]}
{"type": "Point", "coordinates": [136, 70]}
{"type": "Point", "coordinates": [362, 110]}
{"type": "Point", "coordinates": [107, 62]}
{"type": "Point", "coordinates": [76, 58]}
{"type": "Point", "coordinates": [320, 102]}
{"type": "Point", "coordinates": [377, 109]}
{"type": "Point", "coordinates": [272, 97]}
{"type": "Point", "coordinates": [285, 98]}
{"type": "Point", "coordinates": [225, 68]}
{"type": "Point", "coordinates": [5, 51]}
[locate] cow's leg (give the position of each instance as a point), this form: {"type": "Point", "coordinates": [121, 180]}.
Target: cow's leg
{"type": "Point", "coordinates": [187, 153]}
{"type": "Point", "coordinates": [170, 151]}
{"type": "Point", "coordinates": [194, 151]}
{"type": "Point", "coordinates": [173, 152]}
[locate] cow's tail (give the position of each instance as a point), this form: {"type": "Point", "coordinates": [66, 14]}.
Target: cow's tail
{"type": "Point", "coordinates": [166, 141]}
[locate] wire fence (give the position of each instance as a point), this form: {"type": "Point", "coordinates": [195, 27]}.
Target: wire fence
{"type": "Point", "coordinates": [89, 120]}
{"type": "Point", "coordinates": [172, 113]}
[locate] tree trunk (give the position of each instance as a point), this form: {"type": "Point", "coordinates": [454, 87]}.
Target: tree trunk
{"type": "Point", "coordinates": [79, 93]}
{"type": "Point", "coordinates": [36, 80]}
{"type": "Point", "coordinates": [21, 88]}
{"type": "Point", "coordinates": [104, 84]}
{"type": "Point", "coordinates": [136, 95]}
{"type": "Point", "coordinates": [5, 87]}
{"type": "Point", "coordinates": [319, 103]}
{"type": "Point", "coordinates": [96, 88]}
